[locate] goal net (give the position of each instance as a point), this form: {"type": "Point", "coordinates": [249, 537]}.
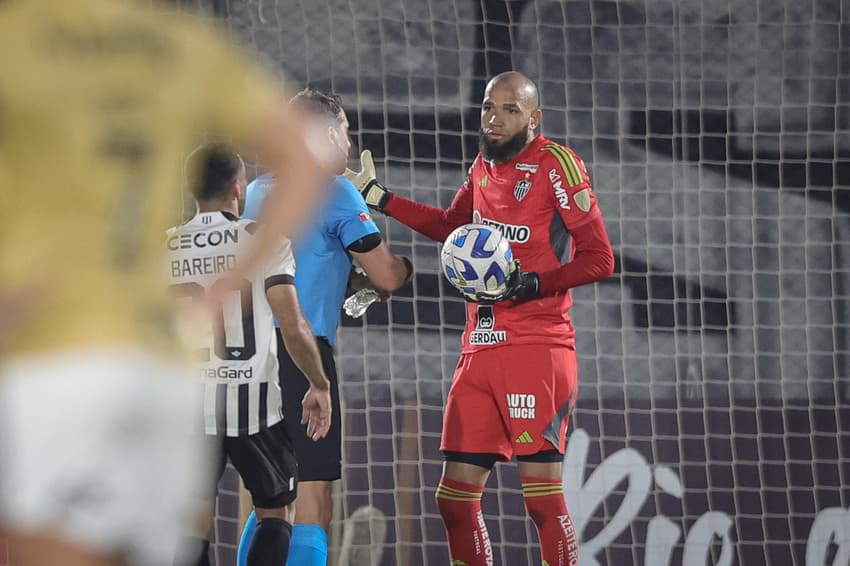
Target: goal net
{"type": "Point", "coordinates": [714, 409]}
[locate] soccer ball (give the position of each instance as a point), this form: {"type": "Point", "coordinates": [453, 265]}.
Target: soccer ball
{"type": "Point", "coordinates": [476, 259]}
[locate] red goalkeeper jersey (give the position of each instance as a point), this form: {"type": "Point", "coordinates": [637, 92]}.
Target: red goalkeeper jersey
{"type": "Point", "coordinates": [539, 200]}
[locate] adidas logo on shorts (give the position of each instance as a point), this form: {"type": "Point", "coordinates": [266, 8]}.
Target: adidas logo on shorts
{"type": "Point", "coordinates": [524, 438]}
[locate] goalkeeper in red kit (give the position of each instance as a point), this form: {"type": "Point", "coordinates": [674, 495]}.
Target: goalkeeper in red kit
{"type": "Point", "coordinates": [516, 381]}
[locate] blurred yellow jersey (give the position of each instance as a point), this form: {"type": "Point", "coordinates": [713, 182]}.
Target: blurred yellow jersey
{"type": "Point", "coordinates": [100, 102]}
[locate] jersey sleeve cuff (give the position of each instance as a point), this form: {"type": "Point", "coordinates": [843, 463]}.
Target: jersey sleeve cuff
{"type": "Point", "coordinates": [282, 279]}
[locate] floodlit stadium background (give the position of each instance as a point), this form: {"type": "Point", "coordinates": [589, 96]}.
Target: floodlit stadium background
{"type": "Point", "coordinates": [712, 424]}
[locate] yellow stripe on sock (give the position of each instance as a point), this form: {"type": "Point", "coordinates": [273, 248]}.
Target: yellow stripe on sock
{"type": "Point", "coordinates": [542, 493]}
{"type": "Point", "coordinates": [540, 489]}
{"type": "Point", "coordinates": [444, 492]}
{"type": "Point", "coordinates": [444, 487]}
{"type": "Point", "coordinates": [456, 498]}
{"type": "Point", "coordinates": [458, 493]}
{"type": "Point", "coordinates": [542, 486]}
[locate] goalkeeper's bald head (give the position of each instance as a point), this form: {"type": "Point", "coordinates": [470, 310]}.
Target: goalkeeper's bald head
{"type": "Point", "coordinates": [525, 89]}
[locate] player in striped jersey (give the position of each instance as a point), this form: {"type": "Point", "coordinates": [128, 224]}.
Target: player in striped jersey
{"type": "Point", "coordinates": [517, 379]}
{"type": "Point", "coordinates": [237, 355]}
{"type": "Point", "coordinates": [100, 102]}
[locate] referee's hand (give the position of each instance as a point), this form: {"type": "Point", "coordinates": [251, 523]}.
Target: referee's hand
{"type": "Point", "coordinates": [316, 413]}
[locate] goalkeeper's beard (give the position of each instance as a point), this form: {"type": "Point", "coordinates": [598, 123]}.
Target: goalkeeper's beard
{"type": "Point", "coordinates": [502, 152]}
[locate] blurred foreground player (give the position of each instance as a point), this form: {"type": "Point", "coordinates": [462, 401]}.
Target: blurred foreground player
{"type": "Point", "coordinates": [100, 102]}
{"type": "Point", "coordinates": [516, 381]}
{"type": "Point", "coordinates": [237, 355]}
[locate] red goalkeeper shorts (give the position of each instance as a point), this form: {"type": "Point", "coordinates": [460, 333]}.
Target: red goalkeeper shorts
{"type": "Point", "coordinates": [511, 401]}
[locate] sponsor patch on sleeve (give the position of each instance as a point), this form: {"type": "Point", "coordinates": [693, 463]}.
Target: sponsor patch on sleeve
{"type": "Point", "coordinates": [364, 216]}
{"type": "Point", "coordinates": [582, 200]}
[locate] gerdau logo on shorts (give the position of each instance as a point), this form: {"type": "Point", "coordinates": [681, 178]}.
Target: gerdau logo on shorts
{"type": "Point", "coordinates": [484, 334]}
{"type": "Point", "coordinates": [521, 405]}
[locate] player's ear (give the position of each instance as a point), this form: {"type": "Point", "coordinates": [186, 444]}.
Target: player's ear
{"type": "Point", "coordinates": [237, 191]}
{"type": "Point", "coordinates": [534, 122]}
{"type": "Point", "coordinates": [333, 135]}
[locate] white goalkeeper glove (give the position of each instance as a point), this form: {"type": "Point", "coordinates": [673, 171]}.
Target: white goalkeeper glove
{"type": "Point", "coordinates": [360, 293]}
{"type": "Point", "coordinates": [375, 195]}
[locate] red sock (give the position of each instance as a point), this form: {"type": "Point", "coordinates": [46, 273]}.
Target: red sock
{"type": "Point", "coordinates": [460, 506]}
{"type": "Point", "coordinates": [544, 499]}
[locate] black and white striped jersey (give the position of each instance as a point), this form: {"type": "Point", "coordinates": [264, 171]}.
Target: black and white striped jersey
{"type": "Point", "coordinates": [237, 349]}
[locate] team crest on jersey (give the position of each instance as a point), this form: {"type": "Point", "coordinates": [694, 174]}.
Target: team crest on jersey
{"type": "Point", "coordinates": [483, 182]}
{"type": "Point", "coordinates": [529, 167]}
{"type": "Point", "coordinates": [521, 189]}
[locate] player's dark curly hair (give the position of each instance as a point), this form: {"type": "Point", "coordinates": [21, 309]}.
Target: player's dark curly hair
{"type": "Point", "coordinates": [318, 103]}
{"type": "Point", "coordinates": [211, 170]}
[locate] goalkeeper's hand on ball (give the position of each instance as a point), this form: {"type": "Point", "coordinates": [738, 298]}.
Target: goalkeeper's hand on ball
{"type": "Point", "coordinates": [520, 285]}
{"type": "Point", "coordinates": [375, 195]}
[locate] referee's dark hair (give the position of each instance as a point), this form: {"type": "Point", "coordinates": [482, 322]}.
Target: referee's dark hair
{"type": "Point", "coordinates": [318, 103]}
{"type": "Point", "coordinates": [211, 169]}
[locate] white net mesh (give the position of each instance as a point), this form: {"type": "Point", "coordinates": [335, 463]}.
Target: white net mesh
{"type": "Point", "coordinates": [715, 366]}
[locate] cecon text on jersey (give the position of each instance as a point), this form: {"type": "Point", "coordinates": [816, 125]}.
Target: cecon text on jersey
{"type": "Point", "coordinates": [186, 241]}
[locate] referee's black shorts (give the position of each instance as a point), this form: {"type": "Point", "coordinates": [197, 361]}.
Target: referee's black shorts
{"type": "Point", "coordinates": [265, 462]}
{"type": "Point", "coordinates": [317, 461]}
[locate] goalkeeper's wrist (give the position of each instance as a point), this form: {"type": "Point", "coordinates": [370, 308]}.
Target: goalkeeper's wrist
{"type": "Point", "coordinates": [376, 195]}
{"type": "Point", "coordinates": [530, 288]}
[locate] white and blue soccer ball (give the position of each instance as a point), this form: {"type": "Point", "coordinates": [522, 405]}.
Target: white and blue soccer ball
{"type": "Point", "coordinates": [476, 259]}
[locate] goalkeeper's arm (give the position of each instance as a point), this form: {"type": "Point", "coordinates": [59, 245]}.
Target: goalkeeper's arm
{"type": "Point", "coordinates": [593, 261]}
{"type": "Point", "coordinates": [435, 223]}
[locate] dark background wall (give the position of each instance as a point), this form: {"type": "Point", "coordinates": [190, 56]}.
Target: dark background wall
{"type": "Point", "coordinates": [715, 362]}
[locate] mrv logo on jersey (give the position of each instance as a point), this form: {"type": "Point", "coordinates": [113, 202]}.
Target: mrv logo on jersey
{"type": "Point", "coordinates": [513, 232]}
{"type": "Point", "coordinates": [223, 372]}
{"type": "Point", "coordinates": [560, 192]}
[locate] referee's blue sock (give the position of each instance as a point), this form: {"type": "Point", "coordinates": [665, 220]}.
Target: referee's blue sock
{"type": "Point", "coordinates": [245, 541]}
{"type": "Point", "coordinates": [308, 547]}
